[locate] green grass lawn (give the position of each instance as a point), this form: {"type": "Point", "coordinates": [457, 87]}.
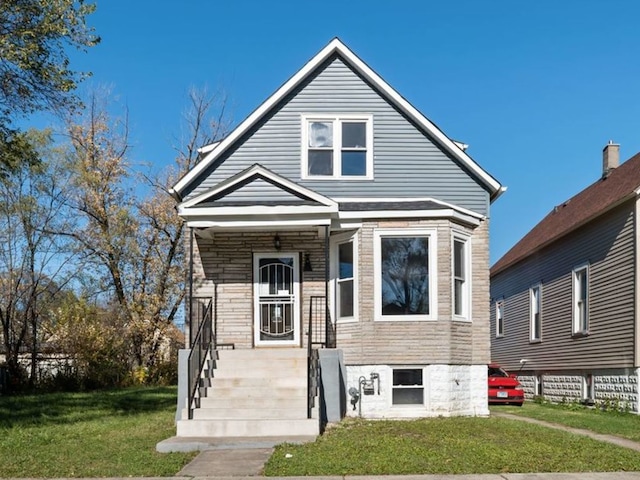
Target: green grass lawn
{"type": "Point", "coordinates": [101, 434]}
{"type": "Point", "coordinates": [622, 424]}
{"type": "Point", "coordinates": [447, 446]}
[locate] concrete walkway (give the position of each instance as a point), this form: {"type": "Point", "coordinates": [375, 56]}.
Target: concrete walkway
{"type": "Point", "coordinates": [238, 459]}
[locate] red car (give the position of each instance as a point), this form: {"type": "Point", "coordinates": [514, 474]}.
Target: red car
{"type": "Point", "coordinates": [504, 387]}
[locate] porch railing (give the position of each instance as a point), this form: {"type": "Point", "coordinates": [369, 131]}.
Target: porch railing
{"type": "Point", "coordinates": [321, 333]}
{"type": "Point", "coordinates": [202, 317]}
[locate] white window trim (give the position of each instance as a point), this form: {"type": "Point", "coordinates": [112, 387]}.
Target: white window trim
{"type": "Point", "coordinates": [500, 318]}
{"type": "Point", "coordinates": [337, 145]}
{"type": "Point", "coordinates": [576, 327]}
{"type": "Point", "coordinates": [335, 241]}
{"type": "Point", "coordinates": [392, 387]}
{"type": "Point", "coordinates": [378, 234]}
{"type": "Point", "coordinates": [537, 287]}
{"type": "Point", "coordinates": [467, 287]}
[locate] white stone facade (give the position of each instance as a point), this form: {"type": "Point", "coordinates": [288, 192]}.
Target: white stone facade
{"type": "Point", "coordinates": [609, 385]}
{"type": "Point", "coordinates": [449, 390]}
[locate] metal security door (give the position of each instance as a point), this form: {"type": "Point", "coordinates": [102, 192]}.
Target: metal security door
{"type": "Point", "coordinates": [276, 299]}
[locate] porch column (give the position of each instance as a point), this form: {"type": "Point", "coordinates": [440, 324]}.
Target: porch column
{"type": "Point", "coordinates": [328, 331]}
{"type": "Point", "coordinates": [190, 309]}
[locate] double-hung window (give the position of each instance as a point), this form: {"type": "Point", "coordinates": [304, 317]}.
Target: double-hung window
{"type": "Point", "coordinates": [461, 277]}
{"type": "Point", "coordinates": [345, 272]}
{"type": "Point", "coordinates": [581, 300]}
{"type": "Point", "coordinates": [500, 318]}
{"type": "Point", "coordinates": [535, 311]}
{"type": "Point", "coordinates": [405, 274]}
{"type": "Point", "coordinates": [339, 146]}
{"type": "Point", "coordinates": [408, 386]}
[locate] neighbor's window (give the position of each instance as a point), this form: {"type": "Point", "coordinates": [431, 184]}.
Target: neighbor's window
{"type": "Point", "coordinates": [500, 318]}
{"type": "Point", "coordinates": [588, 387]}
{"type": "Point", "coordinates": [581, 299]}
{"type": "Point", "coordinates": [408, 386]}
{"type": "Point", "coordinates": [337, 147]}
{"type": "Point", "coordinates": [539, 386]}
{"type": "Point", "coordinates": [404, 274]}
{"type": "Point", "coordinates": [461, 276]}
{"type": "Point", "coordinates": [536, 317]}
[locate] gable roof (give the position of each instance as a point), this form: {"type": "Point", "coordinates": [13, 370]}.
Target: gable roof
{"type": "Point", "coordinates": [339, 48]}
{"type": "Point", "coordinates": [621, 184]}
{"type": "Point", "coordinates": [257, 173]}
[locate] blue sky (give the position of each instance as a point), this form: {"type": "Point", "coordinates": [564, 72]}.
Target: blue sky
{"type": "Point", "coordinates": [535, 88]}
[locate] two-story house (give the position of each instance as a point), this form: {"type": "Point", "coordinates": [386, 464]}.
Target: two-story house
{"type": "Point", "coordinates": [564, 299]}
{"type": "Point", "coordinates": [336, 224]}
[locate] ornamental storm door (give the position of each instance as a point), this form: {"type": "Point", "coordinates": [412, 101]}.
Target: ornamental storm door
{"type": "Point", "coordinates": [276, 299]}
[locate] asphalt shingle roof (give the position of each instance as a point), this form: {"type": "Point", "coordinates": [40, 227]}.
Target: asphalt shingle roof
{"type": "Point", "coordinates": [619, 185]}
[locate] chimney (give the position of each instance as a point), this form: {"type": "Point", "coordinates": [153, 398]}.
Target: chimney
{"type": "Point", "coordinates": [610, 157]}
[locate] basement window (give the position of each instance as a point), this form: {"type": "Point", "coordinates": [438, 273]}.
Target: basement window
{"type": "Point", "coordinates": [408, 386]}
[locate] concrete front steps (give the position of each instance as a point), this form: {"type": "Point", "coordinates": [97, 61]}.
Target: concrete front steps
{"type": "Point", "coordinates": [253, 393]}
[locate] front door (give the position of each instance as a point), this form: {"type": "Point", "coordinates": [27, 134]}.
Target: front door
{"type": "Point", "coordinates": [276, 299]}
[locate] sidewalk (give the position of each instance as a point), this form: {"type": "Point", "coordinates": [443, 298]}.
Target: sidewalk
{"type": "Point", "coordinates": [244, 459]}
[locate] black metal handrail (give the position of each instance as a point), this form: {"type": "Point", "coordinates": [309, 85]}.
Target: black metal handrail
{"type": "Point", "coordinates": [200, 348]}
{"type": "Point", "coordinates": [320, 334]}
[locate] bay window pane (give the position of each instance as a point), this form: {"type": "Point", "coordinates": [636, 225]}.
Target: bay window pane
{"type": "Point", "coordinates": [405, 275]}
{"type": "Point", "coordinates": [345, 294]}
{"type": "Point", "coordinates": [345, 254]}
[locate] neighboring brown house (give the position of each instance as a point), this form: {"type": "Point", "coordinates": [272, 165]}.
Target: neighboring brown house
{"type": "Point", "coordinates": [335, 221]}
{"type": "Point", "coordinates": [564, 299]}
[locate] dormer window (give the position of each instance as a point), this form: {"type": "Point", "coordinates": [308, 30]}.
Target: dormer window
{"type": "Point", "coordinates": [339, 146]}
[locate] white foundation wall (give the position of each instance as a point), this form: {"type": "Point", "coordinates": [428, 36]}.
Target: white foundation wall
{"type": "Point", "coordinates": [617, 385]}
{"type": "Point", "coordinates": [449, 390]}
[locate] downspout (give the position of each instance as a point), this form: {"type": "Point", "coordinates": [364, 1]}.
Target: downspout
{"type": "Point", "coordinates": [190, 287]}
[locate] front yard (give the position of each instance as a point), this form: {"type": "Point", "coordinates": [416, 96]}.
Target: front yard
{"type": "Point", "coordinates": [113, 434]}
{"type": "Point", "coordinates": [449, 446]}
{"type": "Point", "coordinates": [102, 434]}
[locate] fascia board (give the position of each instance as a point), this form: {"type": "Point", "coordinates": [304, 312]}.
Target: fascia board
{"type": "Point", "coordinates": [255, 210]}
{"type": "Point", "coordinates": [252, 223]}
{"type": "Point", "coordinates": [444, 213]}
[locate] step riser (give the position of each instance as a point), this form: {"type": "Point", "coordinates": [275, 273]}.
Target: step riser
{"type": "Point", "coordinates": [247, 413]}
{"type": "Point", "coordinates": [263, 371]}
{"type": "Point", "coordinates": [246, 428]}
{"type": "Point", "coordinates": [264, 384]}
{"type": "Point", "coordinates": [282, 401]}
{"type": "Point", "coordinates": [262, 354]}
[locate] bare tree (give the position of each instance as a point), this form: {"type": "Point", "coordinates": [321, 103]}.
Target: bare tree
{"type": "Point", "coordinates": [35, 264]}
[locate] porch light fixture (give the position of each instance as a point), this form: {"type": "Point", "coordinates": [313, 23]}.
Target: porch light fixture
{"type": "Point", "coordinates": [276, 242]}
{"type": "Point", "coordinates": [307, 263]}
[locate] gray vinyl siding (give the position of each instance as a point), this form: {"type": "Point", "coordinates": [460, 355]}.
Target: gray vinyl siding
{"type": "Point", "coordinates": [406, 161]}
{"type": "Point", "coordinates": [607, 244]}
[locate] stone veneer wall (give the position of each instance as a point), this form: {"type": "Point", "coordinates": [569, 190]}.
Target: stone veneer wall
{"type": "Point", "coordinates": [450, 390]}
{"type": "Point", "coordinates": [619, 385]}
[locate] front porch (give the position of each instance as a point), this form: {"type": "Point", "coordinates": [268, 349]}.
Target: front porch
{"type": "Point", "coordinates": [258, 315]}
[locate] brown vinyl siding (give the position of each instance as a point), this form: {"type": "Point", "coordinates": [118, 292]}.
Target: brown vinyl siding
{"type": "Point", "coordinates": [607, 245]}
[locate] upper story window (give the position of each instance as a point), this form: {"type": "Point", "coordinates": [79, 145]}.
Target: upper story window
{"type": "Point", "coordinates": [500, 318]}
{"type": "Point", "coordinates": [581, 300]}
{"type": "Point", "coordinates": [339, 146]}
{"type": "Point", "coordinates": [536, 316]}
